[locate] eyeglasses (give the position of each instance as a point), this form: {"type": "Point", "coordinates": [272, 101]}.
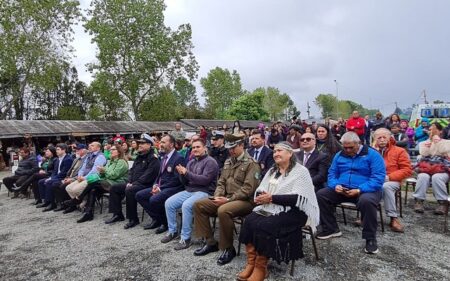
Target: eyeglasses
{"type": "Point", "coordinates": [348, 147]}
{"type": "Point", "coordinates": [306, 139]}
{"type": "Point", "coordinates": [113, 149]}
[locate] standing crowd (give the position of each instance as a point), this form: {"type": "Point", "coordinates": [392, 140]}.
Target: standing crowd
{"type": "Point", "coordinates": [273, 180]}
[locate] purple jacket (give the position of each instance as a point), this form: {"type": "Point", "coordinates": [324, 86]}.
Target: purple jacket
{"type": "Point", "coordinates": [201, 175]}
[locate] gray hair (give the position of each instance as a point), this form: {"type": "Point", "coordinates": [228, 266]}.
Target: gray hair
{"type": "Point", "coordinates": [350, 137]}
{"type": "Point", "coordinates": [382, 131]}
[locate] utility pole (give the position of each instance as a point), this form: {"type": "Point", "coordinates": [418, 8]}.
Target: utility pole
{"type": "Point", "coordinates": [425, 96]}
{"type": "Point", "coordinates": [337, 100]}
{"type": "Point", "coordinates": [308, 107]}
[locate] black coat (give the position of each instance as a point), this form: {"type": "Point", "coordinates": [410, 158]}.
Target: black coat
{"type": "Point", "coordinates": [145, 170]}
{"type": "Point", "coordinates": [265, 160]}
{"type": "Point", "coordinates": [317, 165]}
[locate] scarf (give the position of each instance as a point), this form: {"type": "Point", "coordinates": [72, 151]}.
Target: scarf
{"type": "Point", "coordinates": [299, 182]}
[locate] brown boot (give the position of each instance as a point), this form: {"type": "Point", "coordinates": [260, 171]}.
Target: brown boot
{"type": "Point", "coordinates": [396, 226]}
{"type": "Point", "coordinates": [418, 206]}
{"type": "Point", "coordinates": [251, 257]}
{"type": "Point", "coordinates": [260, 271]}
{"type": "Point", "coordinates": [442, 208]}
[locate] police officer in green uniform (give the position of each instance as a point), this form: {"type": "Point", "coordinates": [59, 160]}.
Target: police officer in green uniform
{"type": "Point", "coordinates": [218, 150]}
{"type": "Point", "coordinates": [233, 198]}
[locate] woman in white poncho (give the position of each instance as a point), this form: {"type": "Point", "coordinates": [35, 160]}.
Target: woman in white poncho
{"type": "Point", "coordinates": [286, 200]}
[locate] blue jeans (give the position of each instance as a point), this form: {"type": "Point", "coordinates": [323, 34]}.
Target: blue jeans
{"type": "Point", "coordinates": [184, 200]}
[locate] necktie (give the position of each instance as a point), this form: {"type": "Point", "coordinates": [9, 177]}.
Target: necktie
{"type": "Point", "coordinates": [307, 154]}
{"type": "Point", "coordinates": [163, 166]}
{"type": "Point", "coordinates": [256, 155]}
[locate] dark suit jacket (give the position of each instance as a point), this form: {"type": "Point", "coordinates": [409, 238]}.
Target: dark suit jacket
{"type": "Point", "coordinates": [65, 166]}
{"type": "Point", "coordinates": [169, 177]}
{"type": "Point", "coordinates": [265, 160]}
{"type": "Point", "coordinates": [317, 165]}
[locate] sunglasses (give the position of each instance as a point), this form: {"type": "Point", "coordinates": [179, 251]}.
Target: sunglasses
{"type": "Point", "coordinates": [306, 139]}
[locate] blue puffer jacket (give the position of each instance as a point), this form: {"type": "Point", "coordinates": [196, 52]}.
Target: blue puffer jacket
{"type": "Point", "coordinates": [365, 171]}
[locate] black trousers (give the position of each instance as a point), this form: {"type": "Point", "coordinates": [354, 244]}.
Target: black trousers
{"type": "Point", "coordinates": [366, 203]}
{"type": "Point", "coordinates": [116, 195]}
{"type": "Point", "coordinates": [154, 204]}
{"type": "Point", "coordinates": [61, 194]}
{"type": "Point", "coordinates": [18, 180]}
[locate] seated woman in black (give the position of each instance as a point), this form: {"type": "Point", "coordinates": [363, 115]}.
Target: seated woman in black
{"type": "Point", "coordinates": [286, 200]}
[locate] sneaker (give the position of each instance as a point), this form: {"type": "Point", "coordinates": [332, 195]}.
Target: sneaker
{"type": "Point", "coordinates": [183, 244]}
{"type": "Point", "coordinates": [371, 246]}
{"type": "Point", "coordinates": [441, 208]}
{"type": "Point", "coordinates": [169, 237]}
{"type": "Point", "coordinates": [327, 234]}
{"type": "Point", "coordinates": [418, 206]}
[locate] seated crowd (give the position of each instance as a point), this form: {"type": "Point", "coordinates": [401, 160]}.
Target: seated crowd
{"type": "Point", "coordinates": [275, 185]}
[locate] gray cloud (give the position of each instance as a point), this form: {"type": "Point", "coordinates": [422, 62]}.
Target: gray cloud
{"type": "Point", "coordinates": [379, 51]}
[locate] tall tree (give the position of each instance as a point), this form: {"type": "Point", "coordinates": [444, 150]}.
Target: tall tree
{"type": "Point", "coordinates": [221, 87]}
{"type": "Point", "coordinates": [33, 35]}
{"type": "Point", "coordinates": [186, 98]}
{"type": "Point", "coordinates": [249, 107]}
{"type": "Point", "coordinates": [327, 104]}
{"type": "Point", "coordinates": [136, 51]}
{"type": "Point", "coordinates": [276, 103]}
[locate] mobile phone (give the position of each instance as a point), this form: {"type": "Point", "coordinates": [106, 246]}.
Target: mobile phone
{"type": "Point", "coordinates": [211, 198]}
{"type": "Point", "coordinates": [345, 189]}
{"type": "Point", "coordinates": [263, 213]}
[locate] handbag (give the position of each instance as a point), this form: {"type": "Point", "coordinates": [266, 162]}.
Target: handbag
{"type": "Point", "coordinates": [92, 178]}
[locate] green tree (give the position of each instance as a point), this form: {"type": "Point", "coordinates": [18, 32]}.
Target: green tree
{"type": "Point", "coordinates": [221, 87]}
{"type": "Point", "coordinates": [248, 107]}
{"type": "Point", "coordinates": [136, 51]}
{"type": "Point", "coordinates": [162, 107]}
{"type": "Point", "coordinates": [33, 35]}
{"type": "Point", "coordinates": [105, 102]}
{"type": "Point", "coordinates": [187, 100]}
{"type": "Point", "coordinates": [327, 104]}
{"type": "Point", "coordinates": [276, 103]}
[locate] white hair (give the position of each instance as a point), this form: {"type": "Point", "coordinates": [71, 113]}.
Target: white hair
{"type": "Point", "coordinates": [350, 137]}
{"type": "Point", "coordinates": [382, 131]}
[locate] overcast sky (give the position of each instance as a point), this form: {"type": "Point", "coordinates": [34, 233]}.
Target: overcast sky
{"type": "Point", "coordinates": [379, 52]}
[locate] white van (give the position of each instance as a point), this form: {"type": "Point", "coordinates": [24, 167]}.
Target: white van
{"type": "Point", "coordinates": [439, 112]}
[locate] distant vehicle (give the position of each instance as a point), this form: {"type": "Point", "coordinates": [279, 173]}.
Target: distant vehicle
{"type": "Point", "coordinates": [439, 112]}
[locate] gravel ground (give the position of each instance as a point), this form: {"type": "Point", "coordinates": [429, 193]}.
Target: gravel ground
{"type": "Point", "coordinates": [52, 246]}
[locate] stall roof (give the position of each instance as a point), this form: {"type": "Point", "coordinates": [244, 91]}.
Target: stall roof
{"type": "Point", "coordinates": [42, 128]}
{"type": "Point", "coordinates": [219, 123]}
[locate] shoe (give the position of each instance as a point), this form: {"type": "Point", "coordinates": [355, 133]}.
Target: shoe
{"type": "Point", "coordinates": [16, 188]}
{"type": "Point", "coordinates": [327, 235]}
{"type": "Point", "coordinates": [50, 207]}
{"type": "Point", "coordinates": [357, 222]}
{"type": "Point", "coordinates": [206, 249]}
{"type": "Point", "coordinates": [226, 256]}
{"type": "Point", "coordinates": [60, 208]}
{"type": "Point", "coordinates": [418, 206]}
{"type": "Point", "coordinates": [72, 202]}
{"type": "Point", "coordinates": [131, 224]}
{"type": "Point", "coordinates": [43, 205]}
{"type": "Point", "coordinates": [371, 246]}
{"type": "Point", "coordinates": [15, 195]}
{"type": "Point", "coordinates": [396, 226]}
{"type": "Point", "coordinates": [115, 218]}
{"type": "Point", "coordinates": [36, 202]}
{"type": "Point", "coordinates": [163, 228]}
{"type": "Point", "coordinates": [251, 257]}
{"type": "Point", "coordinates": [169, 237]}
{"type": "Point", "coordinates": [442, 208]}
{"type": "Point", "coordinates": [182, 244]}
{"type": "Point", "coordinates": [69, 209]}
{"type": "Point", "coordinates": [86, 217]}
{"type": "Point", "coordinates": [154, 224]}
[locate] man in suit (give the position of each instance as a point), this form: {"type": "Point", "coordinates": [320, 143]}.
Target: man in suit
{"type": "Point", "coordinates": [46, 186]}
{"type": "Point", "coordinates": [261, 153]}
{"type": "Point", "coordinates": [166, 184]}
{"type": "Point", "coordinates": [315, 161]}
{"type": "Point", "coordinates": [61, 194]}
{"type": "Point", "coordinates": [143, 174]}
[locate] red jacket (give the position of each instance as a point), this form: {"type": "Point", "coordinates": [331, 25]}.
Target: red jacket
{"type": "Point", "coordinates": [396, 160]}
{"type": "Point", "coordinates": [356, 125]}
